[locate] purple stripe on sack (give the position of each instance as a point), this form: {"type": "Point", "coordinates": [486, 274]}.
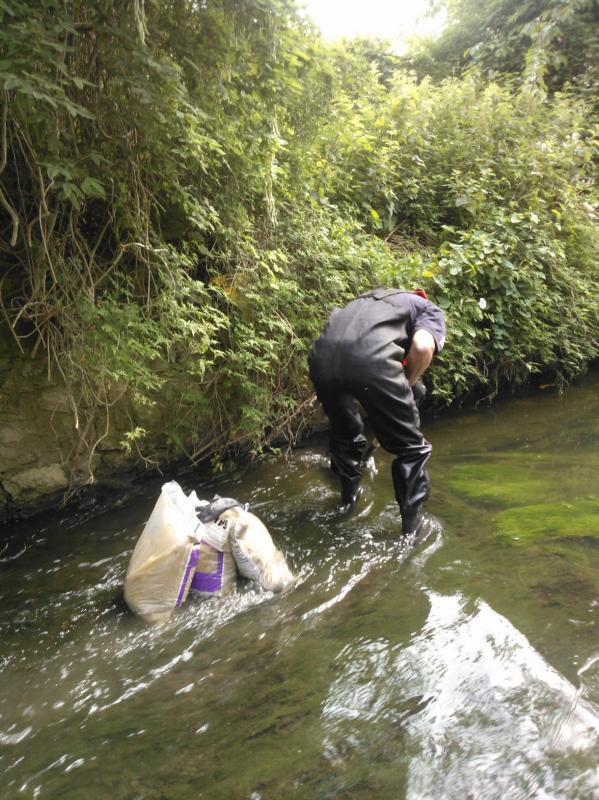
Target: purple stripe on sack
{"type": "Point", "coordinates": [191, 564]}
{"type": "Point", "coordinates": [209, 581]}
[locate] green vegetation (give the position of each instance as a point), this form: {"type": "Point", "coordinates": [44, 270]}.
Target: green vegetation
{"type": "Point", "coordinates": [498, 484]}
{"type": "Point", "coordinates": [548, 43]}
{"type": "Point", "coordinates": [550, 520]}
{"type": "Point", "coordinates": [188, 188]}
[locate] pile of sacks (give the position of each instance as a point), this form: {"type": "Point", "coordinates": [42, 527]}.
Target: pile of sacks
{"type": "Point", "coordinates": [189, 545]}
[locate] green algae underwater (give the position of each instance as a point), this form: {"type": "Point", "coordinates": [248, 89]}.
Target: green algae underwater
{"type": "Point", "coordinates": [536, 494]}
{"type": "Point", "coordinates": [466, 665]}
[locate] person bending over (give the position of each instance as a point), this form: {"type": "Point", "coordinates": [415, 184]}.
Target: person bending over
{"type": "Point", "coordinates": [373, 351]}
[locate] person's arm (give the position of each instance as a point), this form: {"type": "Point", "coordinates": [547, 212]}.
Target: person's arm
{"type": "Point", "coordinates": [420, 354]}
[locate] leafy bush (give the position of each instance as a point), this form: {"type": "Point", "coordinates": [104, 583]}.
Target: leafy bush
{"type": "Point", "coordinates": [184, 196]}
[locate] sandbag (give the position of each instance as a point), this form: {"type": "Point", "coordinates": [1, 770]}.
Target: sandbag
{"type": "Point", "coordinates": [210, 510]}
{"type": "Point", "coordinates": [215, 572]}
{"type": "Point", "coordinates": [163, 562]}
{"type": "Point", "coordinates": [254, 551]}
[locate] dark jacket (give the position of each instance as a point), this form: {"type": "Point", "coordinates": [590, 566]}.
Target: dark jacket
{"type": "Point", "coordinates": [376, 326]}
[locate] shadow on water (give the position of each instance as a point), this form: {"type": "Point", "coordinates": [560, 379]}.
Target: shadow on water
{"type": "Point", "coordinates": [462, 666]}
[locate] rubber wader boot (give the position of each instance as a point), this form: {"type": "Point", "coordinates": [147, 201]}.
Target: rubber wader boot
{"type": "Point", "coordinates": [350, 491]}
{"type": "Point", "coordinates": [412, 521]}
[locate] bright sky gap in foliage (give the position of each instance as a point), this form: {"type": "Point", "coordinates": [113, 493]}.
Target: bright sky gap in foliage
{"type": "Point", "coordinates": [394, 20]}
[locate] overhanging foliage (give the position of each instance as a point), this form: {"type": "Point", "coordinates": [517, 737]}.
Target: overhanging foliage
{"type": "Point", "coordinates": [186, 193]}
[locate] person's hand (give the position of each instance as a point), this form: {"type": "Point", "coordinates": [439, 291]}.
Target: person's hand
{"type": "Point", "coordinates": [419, 391]}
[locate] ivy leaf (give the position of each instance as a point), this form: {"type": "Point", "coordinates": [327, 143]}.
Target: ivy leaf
{"type": "Point", "coordinates": [92, 188]}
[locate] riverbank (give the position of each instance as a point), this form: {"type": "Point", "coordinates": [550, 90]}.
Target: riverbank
{"type": "Point", "coordinates": [170, 246]}
{"type": "Point", "coordinates": [37, 437]}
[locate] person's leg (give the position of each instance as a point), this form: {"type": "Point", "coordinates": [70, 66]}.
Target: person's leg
{"type": "Point", "coordinates": [347, 441]}
{"type": "Point", "coordinates": [392, 412]}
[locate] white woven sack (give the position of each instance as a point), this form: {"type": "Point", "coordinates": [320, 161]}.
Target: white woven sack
{"type": "Point", "coordinates": [163, 562]}
{"type": "Point", "coordinates": [254, 551]}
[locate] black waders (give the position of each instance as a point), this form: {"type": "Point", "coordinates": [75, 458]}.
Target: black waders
{"type": "Point", "coordinates": [359, 358]}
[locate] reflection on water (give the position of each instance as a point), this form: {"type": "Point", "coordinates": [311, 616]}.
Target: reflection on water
{"type": "Point", "coordinates": [464, 666]}
{"type": "Point", "coordinates": [467, 679]}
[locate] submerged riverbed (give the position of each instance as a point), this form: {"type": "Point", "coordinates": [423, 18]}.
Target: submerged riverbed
{"type": "Point", "coordinates": [467, 667]}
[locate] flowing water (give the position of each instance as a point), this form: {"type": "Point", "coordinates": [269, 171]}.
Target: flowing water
{"type": "Point", "coordinates": [464, 667]}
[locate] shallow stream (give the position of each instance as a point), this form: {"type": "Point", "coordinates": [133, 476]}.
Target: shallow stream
{"type": "Point", "coordinates": [465, 667]}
